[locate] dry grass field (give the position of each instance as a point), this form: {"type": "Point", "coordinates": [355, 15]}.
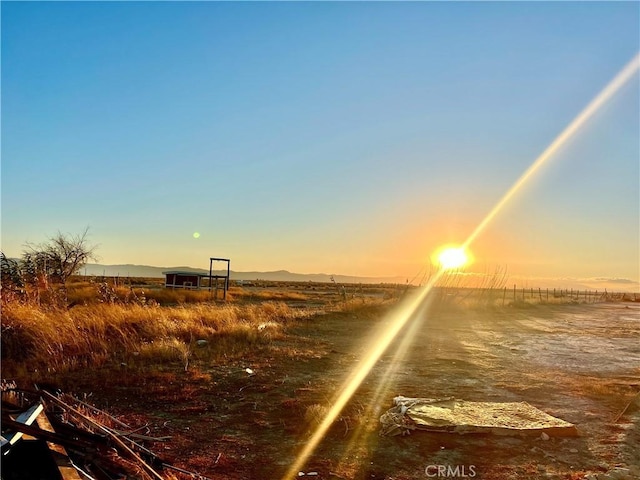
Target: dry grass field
{"type": "Point", "coordinates": [240, 385]}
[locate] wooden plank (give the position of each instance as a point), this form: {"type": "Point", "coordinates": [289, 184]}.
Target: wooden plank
{"type": "Point", "coordinates": [38, 433]}
{"type": "Point", "coordinates": [140, 437]}
{"type": "Point", "coordinates": [65, 467]}
{"type": "Point", "coordinates": [121, 445]}
{"type": "Point", "coordinates": [26, 418]}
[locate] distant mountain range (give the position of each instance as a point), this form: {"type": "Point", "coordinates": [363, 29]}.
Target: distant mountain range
{"type": "Point", "coordinates": [95, 269]}
{"type": "Point", "coordinates": [596, 283]}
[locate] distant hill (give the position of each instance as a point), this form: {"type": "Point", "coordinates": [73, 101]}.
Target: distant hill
{"type": "Point", "coordinates": [128, 270]}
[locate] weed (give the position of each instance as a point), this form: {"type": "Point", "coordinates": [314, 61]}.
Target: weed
{"type": "Point", "coordinates": [315, 414]}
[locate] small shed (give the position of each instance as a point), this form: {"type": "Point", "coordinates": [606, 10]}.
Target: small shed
{"type": "Point", "coordinates": [180, 279]}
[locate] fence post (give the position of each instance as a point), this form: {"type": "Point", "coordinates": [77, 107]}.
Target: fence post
{"type": "Point", "coordinates": [514, 292]}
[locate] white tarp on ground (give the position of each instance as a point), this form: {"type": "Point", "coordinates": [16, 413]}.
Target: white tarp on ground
{"type": "Point", "coordinates": [460, 416]}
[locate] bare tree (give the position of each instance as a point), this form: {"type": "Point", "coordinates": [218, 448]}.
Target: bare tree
{"type": "Point", "coordinates": [57, 259]}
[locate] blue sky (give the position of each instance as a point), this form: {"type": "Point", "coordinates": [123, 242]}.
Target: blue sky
{"type": "Point", "coordinates": [348, 138]}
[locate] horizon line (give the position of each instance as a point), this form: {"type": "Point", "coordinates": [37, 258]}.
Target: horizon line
{"type": "Point", "coordinates": [627, 283]}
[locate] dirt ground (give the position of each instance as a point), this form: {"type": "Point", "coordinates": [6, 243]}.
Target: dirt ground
{"type": "Point", "coordinates": [580, 363]}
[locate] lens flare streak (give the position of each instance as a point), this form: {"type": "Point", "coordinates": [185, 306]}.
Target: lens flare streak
{"type": "Point", "coordinates": [385, 384]}
{"type": "Point", "coordinates": [405, 314]}
{"type": "Point", "coordinates": [360, 373]}
{"type": "Point", "coordinates": [609, 91]}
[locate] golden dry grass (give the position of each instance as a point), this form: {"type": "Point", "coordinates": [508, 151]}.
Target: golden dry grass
{"type": "Point", "coordinates": [112, 322]}
{"type": "Point", "coordinates": [87, 293]}
{"type": "Point", "coordinates": [275, 295]}
{"type": "Point", "coordinates": [45, 340]}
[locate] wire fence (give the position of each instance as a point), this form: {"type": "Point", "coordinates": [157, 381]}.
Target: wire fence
{"type": "Point", "coordinates": [520, 295]}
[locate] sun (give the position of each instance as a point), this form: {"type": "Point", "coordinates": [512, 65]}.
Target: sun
{"type": "Point", "coordinates": [452, 257]}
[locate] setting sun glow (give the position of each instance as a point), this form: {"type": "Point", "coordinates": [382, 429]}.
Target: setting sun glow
{"type": "Point", "coordinates": [452, 257]}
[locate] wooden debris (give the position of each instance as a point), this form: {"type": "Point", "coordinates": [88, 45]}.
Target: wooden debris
{"type": "Point", "coordinates": [26, 418]}
{"type": "Point", "coordinates": [122, 447]}
{"type": "Point", "coordinates": [141, 437]}
{"type": "Point", "coordinates": [79, 446]}
{"type": "Point", "coordinates": [65, 466]}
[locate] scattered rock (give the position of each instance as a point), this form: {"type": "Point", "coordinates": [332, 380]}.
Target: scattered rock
{"type": "Point", "coordinates": [202, 343]}
{"type": "Point", "coordinates": [573, 450]}
{"type": "Point", "coordinates": [544, 436]}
